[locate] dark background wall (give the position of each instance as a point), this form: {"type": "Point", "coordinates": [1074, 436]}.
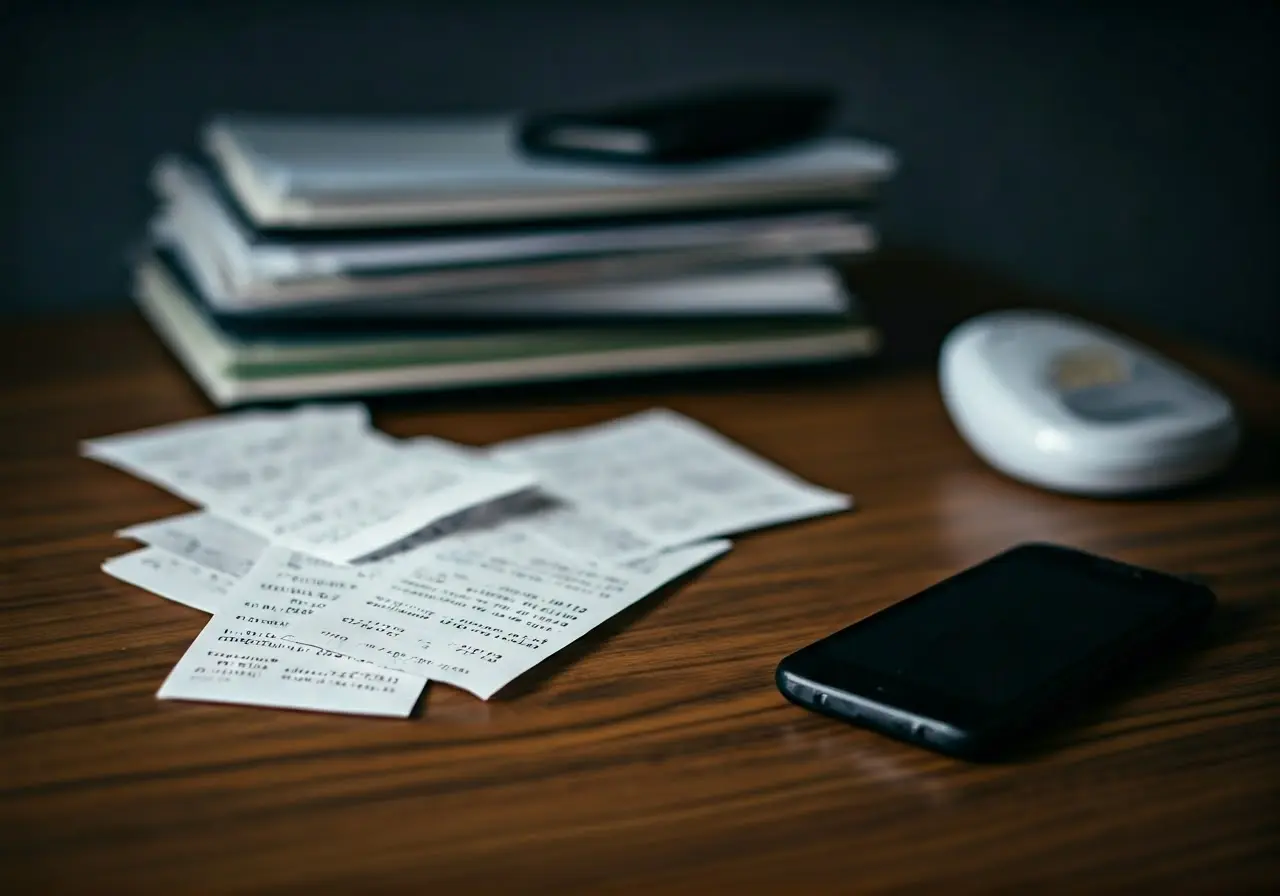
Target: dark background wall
{"type": "Point", "coordinates": [1123, 154]}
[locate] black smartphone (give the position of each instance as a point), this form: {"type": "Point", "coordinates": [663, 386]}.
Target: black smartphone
{"type": "Point", "coordinates": [680, 129]}
{"type": "Point", "coordinates": [970, 665]}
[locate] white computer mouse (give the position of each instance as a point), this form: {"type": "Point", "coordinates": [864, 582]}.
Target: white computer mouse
{"type": "Point", "coordinates": [1066, 405]}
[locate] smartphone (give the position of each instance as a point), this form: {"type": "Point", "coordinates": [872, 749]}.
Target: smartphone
{"type": "Point", "coordinates": [972, 665]}
{"type": "Point", "coordinates": [696, 127]}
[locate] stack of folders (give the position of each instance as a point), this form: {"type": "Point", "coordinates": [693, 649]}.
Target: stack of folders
{"type": "Point", "coordinates": [303, 258]}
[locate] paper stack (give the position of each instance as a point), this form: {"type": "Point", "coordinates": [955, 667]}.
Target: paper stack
{"type": "Point", "coordinates": [316, 257]}
{"type": "Point", "coordinates": [344, 568]}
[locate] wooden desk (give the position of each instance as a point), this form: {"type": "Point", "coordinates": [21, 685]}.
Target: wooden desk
{"type": "Point", "coordinates": [655, 756]}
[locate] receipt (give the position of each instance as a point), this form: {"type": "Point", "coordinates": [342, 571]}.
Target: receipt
{"type": "Point", "coordinates": [486, 607]}
{"type": "Point", "coordinates": [202, 538]}
{"type": "Point", "coordinates": [548, 517]}
{"type": "Point", "coordinates": [584, 531]}
{"type": "Point", "coordinates": [285, 585]}
{"type": "Point", "coordinates": [243, 656]}
{"type": "Point", "coordinates": [435, 448]}
{"type": "Point", "coordinates": [217, 544]}
{"type": "Point", "coordinates": [212, 458]}
{"type": "Point", "coordinates": [239, 662]}
{"type": "Point", "coordinates": [345, 568]}
{"type": "Point", "coordinates": [667, 479]}
{"type": "Point", "coordinates": [358, 507]}
{"type": "Point", "coordinates": [173, 577]}
{"type": "Point", "coordinates": [317, 480]}
{"type": "Point", "coordinates": [330, 517]}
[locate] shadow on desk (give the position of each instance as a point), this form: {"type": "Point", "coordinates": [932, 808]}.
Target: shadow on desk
{"type": "Point", "coordinates": [596, 639]}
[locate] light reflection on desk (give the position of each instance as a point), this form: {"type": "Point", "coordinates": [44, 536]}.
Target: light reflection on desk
{"type": "Point", "coordinates": [881, 761]}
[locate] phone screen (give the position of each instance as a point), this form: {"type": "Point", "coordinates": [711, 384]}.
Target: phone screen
{"type": "Point", "coordinates": [1000, 630]}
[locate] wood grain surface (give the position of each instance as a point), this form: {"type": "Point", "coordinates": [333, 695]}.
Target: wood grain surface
{"type": "Point", "coordinates": [656, 754]}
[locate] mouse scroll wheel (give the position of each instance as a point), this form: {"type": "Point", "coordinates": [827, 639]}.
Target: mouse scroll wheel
{"type": "Point", "coordinates": [1088, 366]}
